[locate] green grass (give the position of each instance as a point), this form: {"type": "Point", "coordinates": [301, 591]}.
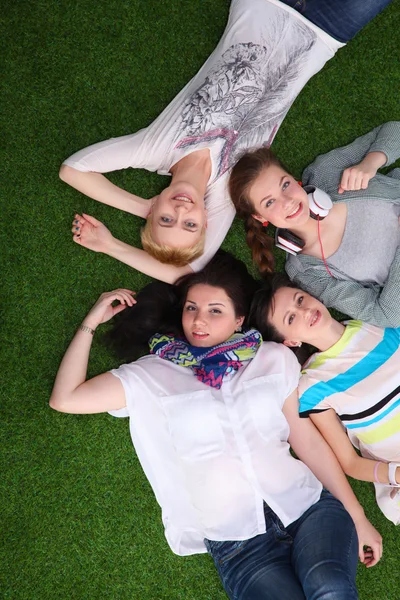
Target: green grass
{"type": "Point", "coordinates": [79, 520]}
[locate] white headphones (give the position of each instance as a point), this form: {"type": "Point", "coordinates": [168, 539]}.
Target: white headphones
{"type": "Point", "coordinates": [319, 204]}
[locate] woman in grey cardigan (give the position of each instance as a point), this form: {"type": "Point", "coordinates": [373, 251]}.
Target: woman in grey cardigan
{"type": "Point", "coordinates": [348, 256]}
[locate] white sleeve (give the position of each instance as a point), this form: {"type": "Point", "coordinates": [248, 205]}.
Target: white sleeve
{"type": "Point", "coordinates": [127, 376]}
{"type": "Point", "coordinates": [220, 214]}
{"type": "Point", "coordinates": [292, 371]}
{"type": "Point", "coordinates": [112, 155]}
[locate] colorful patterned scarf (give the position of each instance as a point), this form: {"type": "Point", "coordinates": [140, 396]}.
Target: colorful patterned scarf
{"type": "Point", "coordinates": [210, 365]}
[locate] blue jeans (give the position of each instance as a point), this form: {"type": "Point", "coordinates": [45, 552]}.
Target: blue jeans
{"type": "Point", "coordinates": [342, 19]}
{"type": "Point", "coordinates": [313, 558]}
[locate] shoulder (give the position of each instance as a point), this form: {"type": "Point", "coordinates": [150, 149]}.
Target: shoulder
{"type": "Point", "coordinates": [277, 358]}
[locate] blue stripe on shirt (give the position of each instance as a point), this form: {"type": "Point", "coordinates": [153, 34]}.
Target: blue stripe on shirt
{"type": "Point", "coordinates": [365, 367]}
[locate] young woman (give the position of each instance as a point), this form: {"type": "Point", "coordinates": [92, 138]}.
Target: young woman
{"type": "Point", "coordinates": [350, 388]}
{"type": "Point", "coordinates": [350, 259]}
{"type": "Point", "coordinates": [212, 414]}
{"type": "Point", "coordinates": [237, 100]}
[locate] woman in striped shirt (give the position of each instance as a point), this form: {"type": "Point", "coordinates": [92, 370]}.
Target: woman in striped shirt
{"type": "Point", "coordinates": [350, 387]}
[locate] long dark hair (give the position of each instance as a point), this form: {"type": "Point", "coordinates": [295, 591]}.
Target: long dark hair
{"type": "Point", "coordinates": [261, 305]}
{"type": "Point", "coordinates": [243, 175]}
{"type": "Point", "coordinates": [159, 305]}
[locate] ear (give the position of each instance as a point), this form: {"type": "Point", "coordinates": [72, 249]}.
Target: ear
{"type": "Point", "coordinates": [239, 321]}
{"type": "Point", "coordinates": [258, 218]}
{"type": "Point", "coordinates": [290, 344]}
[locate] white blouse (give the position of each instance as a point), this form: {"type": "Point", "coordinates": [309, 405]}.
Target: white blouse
{"type": "Point", "coordinates": [214, 456]}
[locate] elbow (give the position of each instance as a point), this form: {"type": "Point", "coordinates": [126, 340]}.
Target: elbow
{"type": "Point", "coordinates": [58, 403]}
{"type": "Point", "coordinates": [66, 173]}
{"type": "Point", "coordinates": [351, 467]}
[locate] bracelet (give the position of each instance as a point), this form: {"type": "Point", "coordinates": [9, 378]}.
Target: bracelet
{"type": "Point", "coordinates": [392, 474]}
{"type": "Point", "coordinates": [86, 329]}
{"type": "Point", "coordinates": [376, 478]}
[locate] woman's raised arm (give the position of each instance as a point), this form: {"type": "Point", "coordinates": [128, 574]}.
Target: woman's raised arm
{"type": "Point", "coordinates": [99, 188]}
{"type": "Point", "coordinates": [71, 392]}
{"type": "Point", "coordinates": [92, 234]}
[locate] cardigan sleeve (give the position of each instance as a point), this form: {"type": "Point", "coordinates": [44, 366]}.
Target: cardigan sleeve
{"type": "Point", "coordinates": [376, 305]}
{"type": "Point", "coordinates": [327, 169]}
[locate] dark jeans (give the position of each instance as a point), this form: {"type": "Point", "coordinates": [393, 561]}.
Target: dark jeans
{"type": "Point", "coordinates": [342, 19]}
{"type": "Point", "coordinates": [313, 558]}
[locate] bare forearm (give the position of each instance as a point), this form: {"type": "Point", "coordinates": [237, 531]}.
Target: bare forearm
{"type": "Point", "coordinates": [365, 470]}
{"type": "Point", "coordinates": [374, 160]}
{"type": "Point", "coordinates": [73, 368]}
{"type": "Point", "coordinates": [99, 188]}
{"type": "Point", "coordinates": [143, 262]}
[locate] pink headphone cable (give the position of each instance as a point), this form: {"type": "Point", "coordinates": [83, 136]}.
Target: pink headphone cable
{"type": "Point", "coordinates": [322, 250]}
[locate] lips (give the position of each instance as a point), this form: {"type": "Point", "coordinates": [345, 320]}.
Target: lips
{"type": "Point", "coordinates": [183, 198]}
{"type": "Point", "coordinates": [199, 335]}
{"type": "Point", "coordinates": [296, 213]}
{"type": "Point", "coordinates": [315, 318]}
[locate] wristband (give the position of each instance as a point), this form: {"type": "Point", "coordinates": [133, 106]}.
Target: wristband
{"type": "Point", "coordinates": [376, 478]}
{"type": "Point", "coordinates": [392, 474]}
{"type": "Point", "coordinates": [87, 329]}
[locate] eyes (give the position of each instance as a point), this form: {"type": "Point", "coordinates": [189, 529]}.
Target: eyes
{"type": "Point", "coordinates": [299, 302]}
{"type": "Point", "coordinates": [192, 308]}
{"type": "Point", "coordinates": [170, 220]}
{"type": "Point", "coordinates": [284, 187]}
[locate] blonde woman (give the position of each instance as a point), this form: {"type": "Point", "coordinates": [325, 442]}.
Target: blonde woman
{"type": "Point", "coordinates": [237, 100]}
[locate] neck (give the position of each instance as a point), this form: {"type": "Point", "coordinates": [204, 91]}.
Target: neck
{"type": "Point", "coordinates": [307, 232]}
{"type": "Point", "coordinates": [194, 168]}
{"type": "Point", "coordinates": [329, 337]}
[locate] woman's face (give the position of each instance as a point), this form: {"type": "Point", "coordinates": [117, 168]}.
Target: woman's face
{"type": "Point", "coordinates": [178, 216]}
{"type": "Point", "coordinates": [208, 316]}
{"type": "Point", "coordinates": [278, 198]}
{"type": "Point", "coordinates": [299, 317]}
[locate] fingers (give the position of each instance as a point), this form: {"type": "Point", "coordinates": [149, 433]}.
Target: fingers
{"type": "Point", "coordinates": [124, 296]}
{"type": "Point", "coordinates": [371, 555]}
{"type": "Point", "coordinates": [91, 220]}
{"type": "Point", "coordinates": [354, 178]}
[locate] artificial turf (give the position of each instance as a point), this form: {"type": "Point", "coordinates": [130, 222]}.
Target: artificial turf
{"type": "Point", "coordinates": [79, 520]}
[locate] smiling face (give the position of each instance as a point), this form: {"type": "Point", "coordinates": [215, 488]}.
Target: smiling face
{"type": "Point", "coordinates": [178, 216]}
{"type": "Point", "coordinates": [279, 199]}
{"type": "Point", "coordinates": [208, 316]}
{"type": "Point", "coordinates": [299, 317]}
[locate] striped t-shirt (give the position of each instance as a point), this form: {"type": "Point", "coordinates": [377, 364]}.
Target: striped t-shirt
{"type": "Point", "coordinates": [359, 378]}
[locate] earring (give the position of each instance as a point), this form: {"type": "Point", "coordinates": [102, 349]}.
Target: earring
{"type": "Point", "coordinates": [298, 344]}
{"type": "Point", "coordinates": [300, 183]}
{"type": "Point", "coordinates": [238, 329]}
{"type": "Point", "coordinates": [265, 223]}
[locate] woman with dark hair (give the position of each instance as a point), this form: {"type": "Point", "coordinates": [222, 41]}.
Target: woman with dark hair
{"type": "Point", "coordinates": [237, 100]}
{"type": "Point", "coordinates": [340, 226]}
{"type": "Point", "coordinates": [350, 388]}
{"type": "Point", "coordinates": [212, 412]}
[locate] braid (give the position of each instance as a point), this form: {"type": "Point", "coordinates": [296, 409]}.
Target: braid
{"type": "Point", "coordinates": [260, 245]}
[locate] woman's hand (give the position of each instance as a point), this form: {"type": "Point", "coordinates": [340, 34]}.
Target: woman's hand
{"type": "Point", "coordinates": [358, 176]}
{"type": "Point", "coordinates": [103, 310]}
{"type": "Point", "coordinates": [369, 542]}
{"type": "Point", "coordinates": [91, 233]}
